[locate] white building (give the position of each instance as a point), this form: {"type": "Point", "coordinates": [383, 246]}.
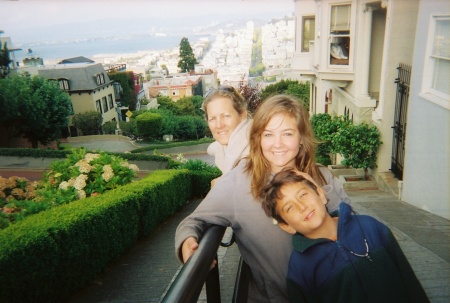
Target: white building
{"type": "Point", "coordinates": [358, 56]}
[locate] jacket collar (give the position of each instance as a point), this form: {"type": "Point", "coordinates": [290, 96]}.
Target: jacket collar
{"type": "Point", "coordinates": [302, 243]}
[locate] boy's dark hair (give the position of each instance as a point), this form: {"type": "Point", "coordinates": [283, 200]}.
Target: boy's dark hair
{"type": "Point", "coordinates": [272, 191]}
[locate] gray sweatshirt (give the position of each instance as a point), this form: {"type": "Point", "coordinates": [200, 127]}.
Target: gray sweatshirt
{"type": "Point", "coordinates": [263, 245]}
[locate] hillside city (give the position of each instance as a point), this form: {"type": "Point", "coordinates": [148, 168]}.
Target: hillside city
{"type": "Point", "coordinates": [230, 54]}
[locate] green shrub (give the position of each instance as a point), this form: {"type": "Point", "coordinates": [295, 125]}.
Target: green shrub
{"type": "Point", "coordinates": [149, 125]}
{"type": "Point", "coordinates": [202, 174]}
{"type": "Point", "coordinates": [128, 127]}
{"type": "Point", "coordinates": [109, 127]}
{"type": "Point", "coordinates": [89, 123]}
{"type": "Point", "coordinates": [358, 144]}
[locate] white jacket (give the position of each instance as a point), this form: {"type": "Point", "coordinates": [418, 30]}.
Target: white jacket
{"type": "Point", "coordinates": [226, 156]}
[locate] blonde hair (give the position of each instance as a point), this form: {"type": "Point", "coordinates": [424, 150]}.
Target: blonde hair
{"type": "Point", "coordinates": [257, 165]}
{"type": "Point", "coordinates": [226, 91]}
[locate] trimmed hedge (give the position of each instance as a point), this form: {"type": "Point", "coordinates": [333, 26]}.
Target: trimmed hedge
{"type": "Point", "coordinates": [53, 254]}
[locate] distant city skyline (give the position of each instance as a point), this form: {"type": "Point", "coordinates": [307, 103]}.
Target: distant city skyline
{"type": "Point", "coordinates": [33, 15]}
{"type": "Point", "coordinates": [53, 27]}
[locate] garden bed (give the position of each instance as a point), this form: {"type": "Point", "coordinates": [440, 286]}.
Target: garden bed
{"type": "Point", "coordinates": [350, 182]}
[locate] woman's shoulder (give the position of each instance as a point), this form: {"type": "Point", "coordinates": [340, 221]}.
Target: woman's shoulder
{"type": "Point", "coordinates": [213, 148]}
{"type": "Point", "coordinates": [325, 172]}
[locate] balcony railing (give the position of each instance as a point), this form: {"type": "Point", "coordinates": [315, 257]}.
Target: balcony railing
{"type": "Point", "coordinates": [197, 272]}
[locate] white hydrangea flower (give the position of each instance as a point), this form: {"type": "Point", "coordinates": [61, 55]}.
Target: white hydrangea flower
{"type": "Point", "coordinates": [64, 185]}
{"type": "Point", "coordinates": [84, 166]}
{"type": "Point", "coordinates": [107, 176]}
{"type": "Point", "coordinates": [81, 194]}
{"type": "Point", "coordinates": [108, 169]}
{"type": "Point", "coordinates": [89, 157]}
{"type": "Point", "coordinates": [71, 181]}
{"type": "Point", "coordinates": [133, 167]}
{"type": "Point", "coordinates": [80, 182]}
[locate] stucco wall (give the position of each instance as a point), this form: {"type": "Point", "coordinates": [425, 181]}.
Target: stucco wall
{"type": "Point", "coordinates": [398, 48]}
{"type": "Point", "coordinates": [427, 159]}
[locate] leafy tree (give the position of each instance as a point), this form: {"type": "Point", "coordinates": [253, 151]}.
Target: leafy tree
{"type": "Point", "coordinates": [197, 101]}
{"type": "Point", "coordinates": [185, 107]}
{"type": "Point", "coordinates": [90, 122]}
{"type": "Point", "coordinates": [300, 91]}
{"type": "Point", "coordinates": [34, 108]}
{"type": "Point", "coordinates": [166, 103]}
{"type": "Point", "coordinates": [187, 59]}
{"type": "Point", "coordinates": [4, 60]}
{"type": "Point", "coordinates": [186, 128]}
{"type": "Point", "coordinates": [169, 123]}
{"type": "Point", "coordinates": [294, 88]}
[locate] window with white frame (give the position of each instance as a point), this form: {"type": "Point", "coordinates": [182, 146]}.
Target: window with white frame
{"type": "Point", "coordinates": [100, 79]}
{"type": "Point", "coordinates": [437, 71]}
{"type": "Point", "coordinates": [308, 28]}
{"type": "Point", "coordinates": [64, 84]}
{"type": "Point", "coordinates": [340, 21]}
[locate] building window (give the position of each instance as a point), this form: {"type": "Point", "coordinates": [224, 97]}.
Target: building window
{"type": "Point", "coordinates": [111, 101]}
{"type": "Point", "coordinates": [436, 79]}
{"type": "Point", "coordinates": [308, 28]}
{"type": "Point", "coordinates": [175, 92]}
{"type": "Point", "coordinates": [340, 20]}
{"type": "Point", "coordinates": [99, 106]}
{"type": "Point", "coordinates": [64, 84]}
{"type": "Point", "coordinates": [105, 104]}
{"type": "Point", "coordinates": [100, 79]}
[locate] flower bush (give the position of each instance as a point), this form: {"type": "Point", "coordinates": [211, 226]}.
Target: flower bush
{"type": "Point", "coordinates": [84, 175]}
{"type": "Point", "coordinates": [16, 194]}
{"type": "Point", "coordinates": [79, 176]}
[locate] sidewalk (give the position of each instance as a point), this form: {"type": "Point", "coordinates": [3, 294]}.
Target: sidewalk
{"type": "Point", "coordinates": [144, 274]}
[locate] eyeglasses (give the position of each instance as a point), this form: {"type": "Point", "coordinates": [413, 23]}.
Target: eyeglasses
{"type": "Point", "coordinates": [226, 88]}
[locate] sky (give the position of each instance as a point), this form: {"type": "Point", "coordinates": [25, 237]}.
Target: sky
{"type": "Point", "coordinates": [31, 16]}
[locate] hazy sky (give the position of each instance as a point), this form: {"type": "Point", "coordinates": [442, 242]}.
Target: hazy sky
{"type": "Point", "coordinates": [20, 15]}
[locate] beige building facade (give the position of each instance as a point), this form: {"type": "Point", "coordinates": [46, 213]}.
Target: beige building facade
{"type": "Point", "coordinates": [371, 61]}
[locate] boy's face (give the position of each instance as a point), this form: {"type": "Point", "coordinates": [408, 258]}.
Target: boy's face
{"type": "Point", "coordinates": [303, 209]}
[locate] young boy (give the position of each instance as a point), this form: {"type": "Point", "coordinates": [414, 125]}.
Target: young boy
{"type": "Point", "coordinates": [353, 258]}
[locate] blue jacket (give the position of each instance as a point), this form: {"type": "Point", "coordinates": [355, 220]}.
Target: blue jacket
{"type": "Point", "coordinates": [321, 270]}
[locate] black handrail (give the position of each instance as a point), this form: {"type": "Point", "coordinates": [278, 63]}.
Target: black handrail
{"type": "Point", "coordinates": [196, 271]}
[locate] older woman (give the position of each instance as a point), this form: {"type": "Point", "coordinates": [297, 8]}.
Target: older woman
{"type": "Point", "coordinates": [227, 117]}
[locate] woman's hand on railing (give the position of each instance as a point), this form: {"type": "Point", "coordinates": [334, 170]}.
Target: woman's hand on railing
{"type": "Point", "coordinates": [190, 245]}
{"type": "Point", "coordinates": [188, 248]}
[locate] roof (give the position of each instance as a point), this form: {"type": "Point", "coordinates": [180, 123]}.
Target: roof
{"type": "Point", "coordinates": [80, 76]}
{"type": "Point", "coordinates": [79, 59]}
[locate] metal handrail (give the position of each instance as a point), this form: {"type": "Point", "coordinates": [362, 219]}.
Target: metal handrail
{"type": "Point", "coordinates": [196, 271]}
